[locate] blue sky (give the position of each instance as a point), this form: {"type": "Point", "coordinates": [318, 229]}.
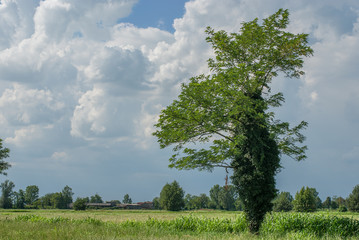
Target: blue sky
{"type": "Point", "coordinates": [82, 85]}
{"type": "Point", "coordinates": [156, 13]}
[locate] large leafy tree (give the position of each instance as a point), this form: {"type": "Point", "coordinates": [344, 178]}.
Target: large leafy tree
{"type": "Point", "coordinates": [196, 202]}
{"type": "Point", "coordinates": [227, 197]}
{"type": "Point", "coordinates": [283, 202]}
{"type": "Point", "coordinates": [230, 111]}
{"type": "Point", "coordinates": [214, 193]}
{"type": "Point", "coordinates": [4, 153]}
{"type": "Point", "coordinates": [96, 199]}
{"type": "Point", "coordinates": [57, 200]}
{"type": "Point", "coordinates": [223, 197]}
{"type": "Point", "coordinates": [67, 196]}
{"type": "Point", "coordinates": [171, 197]}
{"type": "Point", "coordinates": [305, 200]}
{"type": "Point", "coordinates": [19, 199]}
{"type": "Point", "coordinates": [127, 199]}
{"type": "Point", "coordinates": [6, 194]}
{"type": "Point", "coordinates": [31, 194]}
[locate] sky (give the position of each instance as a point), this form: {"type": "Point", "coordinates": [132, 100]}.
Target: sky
{"type": "Point", "coordinates": [81, 86]}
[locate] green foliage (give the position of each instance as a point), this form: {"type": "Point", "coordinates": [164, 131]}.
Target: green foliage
{"type": "Point", "coordinates": [196, 202]}
{"type": "Point", "coordinates": [156, 203]}
{"type": "Point", "coordinates": [67, 196]}
{"type": "Point", "coordinates": [275, 226]}
{"type": "Point", "coordinates": [353, 200]}
{"type": "Point", "coordinates": [334, 205]}
{"type": "Point", "coordinates": [19, 199]}
{"type": "Point", "coordinates": [239, 204]}
{"type": "Point", "coordinates": [58, 201]}
{"type": "Point", "coordinates": [224, 197]}
{"type": "Point", "coordinates": [201, 201]}
{"type": "Point", "coordinates": [4, 153]}
{"type": "Point", "coordinates": [228, 111]}
{"type": "Point", "coordinates": [318, 201]}
{"type": "Point", "coordinates": [6, 194]}
{"type": "Point", "coordinates": [227, 197]}
{"type": "Point", "coordinates": [307, 223]}
{"type": "Point", "coordinates": [96, 199]}
{"type": "Point", "coordinates": [171, 197]}
{"type": "Point", "coordinates": [214, 195]}
{"type": "Point", "coordinates": [127, 199]}
{"type": "Point", "coordinates": [31, 194]}
{"type": "Point", "coordinates": [305, 200]}
{"type": "Point", "coordinates": [283, 202]}
{"type": "Point", "coordinates": [80, 204]}
{"type": "Point", "coordinates": [327, 203]}
{"type": "Point", "coordinates": [343, 209]}
{"type": "Point", "coordinates": [46, 201]}
{"type": "Point", "coordinates": [340, 201]}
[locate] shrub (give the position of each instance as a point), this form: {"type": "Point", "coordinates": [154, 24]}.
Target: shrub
{"type": "Point", "coordinates": [80, 204]}
{"type": "Point", "coordinates": [342, 209]}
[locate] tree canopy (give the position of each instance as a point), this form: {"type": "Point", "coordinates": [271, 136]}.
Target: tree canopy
{"type": "Point", "coordinates": [6, 194]}
{"type": "Point", "coordinates": [230, 111]}
{"type": "Point", "coordinates": [283, 202]}
{"type": "Point", "coordinates": [96, 199]}
{"type": "Point", "coordinates": [353, 199]}
{"type": "Point", "coordinates": [171, 197]}
{"type": "Point", "coordinates": [31, 194]}
{"type": "Point", "coordinates": [127, 199]}
{"type": "Point", "coordinates": [305, 200]}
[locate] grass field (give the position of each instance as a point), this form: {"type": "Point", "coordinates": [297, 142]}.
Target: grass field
{"type": "Point", "coordinates": [136, 224]}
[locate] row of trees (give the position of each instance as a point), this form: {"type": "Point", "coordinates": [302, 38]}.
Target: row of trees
{"type": "Point", "coordinates": [29, 198]}
{"type": "Point", "coordinates": [307, 200]}
{"type": "Point", "coordinates": [173, 198]}
{"type": "Point", "coordinates": [81, 203]}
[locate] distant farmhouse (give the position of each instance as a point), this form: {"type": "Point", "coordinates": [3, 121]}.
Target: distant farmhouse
{"type": "Point", "coordinates": [139, 205]}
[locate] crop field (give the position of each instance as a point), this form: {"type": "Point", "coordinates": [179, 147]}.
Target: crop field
{"type": "Point", "coordinates": [206, 224]}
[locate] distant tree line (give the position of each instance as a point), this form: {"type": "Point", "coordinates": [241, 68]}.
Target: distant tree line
{"type": "Point", "coordinates": [30, 199]}
{"type": "Point", "coordinates": [173, 198]}
{"type": "Point", "coordinates": [307, 200]}
{"type": "Point", "coordinates": [82, 203]}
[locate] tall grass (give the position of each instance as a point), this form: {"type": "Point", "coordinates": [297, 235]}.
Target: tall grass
{"type": "Point", "coordinates": [316, 224]}
{"type": "Point", "coordinates": [275, 224]}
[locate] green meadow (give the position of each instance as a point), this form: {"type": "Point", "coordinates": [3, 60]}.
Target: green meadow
{"type": "Point", "coordinates": [206, 224]}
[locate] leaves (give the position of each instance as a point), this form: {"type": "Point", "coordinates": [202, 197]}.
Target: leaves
{"type": "Point", "coordinates": [218, 105]}
{"type": "Point", "coordinates": [224, 119]}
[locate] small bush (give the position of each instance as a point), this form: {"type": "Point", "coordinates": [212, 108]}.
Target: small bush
{"type": "Point", "coordinates": [343, 209]}
{"type": "Point", "coordinates": [80, 204]}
